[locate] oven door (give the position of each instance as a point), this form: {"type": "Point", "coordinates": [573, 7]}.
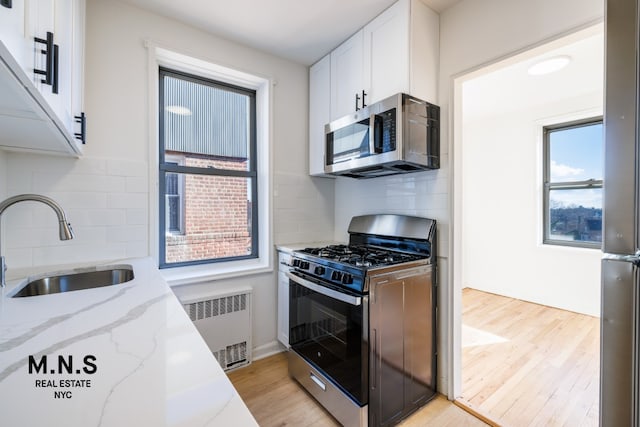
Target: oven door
{"type": "Point", "coordinates": [330, 329]}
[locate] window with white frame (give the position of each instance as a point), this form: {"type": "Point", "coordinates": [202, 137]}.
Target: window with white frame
{"type": "Point", "coordinates": [207, 170]}
{"type": "Point", "coordinates": [573, 171]}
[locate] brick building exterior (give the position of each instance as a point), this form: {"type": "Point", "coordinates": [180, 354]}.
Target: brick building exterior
{"type": "Point", "coordinates": [215, 212]}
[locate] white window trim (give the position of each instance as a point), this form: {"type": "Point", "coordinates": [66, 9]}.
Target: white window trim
{"type": "Point", "coordinates": [159, 56]}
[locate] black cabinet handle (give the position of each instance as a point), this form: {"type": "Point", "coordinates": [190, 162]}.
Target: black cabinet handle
{"type": "Point", "coordinates": [363, 95]}
{"type": "Point", "coordinates": [357, 99]}
{"type": "Point", "coordinates": [82, 135]}
{"type": "Point", "coordinates": [48, 51]}
{"type": "Point", "coordinates": [54, 84]}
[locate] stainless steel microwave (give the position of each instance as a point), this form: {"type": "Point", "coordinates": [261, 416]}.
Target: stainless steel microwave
{"type": "Point", "coordinates": [399, 134]}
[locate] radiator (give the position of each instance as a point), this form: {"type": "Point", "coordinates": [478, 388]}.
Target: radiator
{"type": "Point", "coordinates": [224, 321]}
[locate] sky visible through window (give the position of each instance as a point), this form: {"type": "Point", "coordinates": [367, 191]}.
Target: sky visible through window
{"type": "Point", "coordinates": [577, 155]}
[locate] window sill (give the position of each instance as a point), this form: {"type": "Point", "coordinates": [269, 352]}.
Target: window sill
{"type": "Point", "coordinates": [212, 272]}
{"type": "Point", "coordinates": [565, 247]}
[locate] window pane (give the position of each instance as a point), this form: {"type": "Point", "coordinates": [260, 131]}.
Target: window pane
{"type": "Point", "coordinates": [206, 121]}
{"type": "Point", "coordinates": [217, 219]}
{"type": "Point", "coordinates": [575, 154]}
{"type": "Point", "coordinates": [576, 215]}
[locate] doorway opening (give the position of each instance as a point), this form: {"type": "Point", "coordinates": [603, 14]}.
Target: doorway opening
{"type": "Point", "coordinates": [527, 228]}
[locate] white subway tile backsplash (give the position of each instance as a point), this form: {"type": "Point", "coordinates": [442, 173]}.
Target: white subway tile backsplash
{"type": "Point", "coordinates": [120, 167]}
{"type": "Point", "coordinates": [303, 208]}
{"type": "Point", "coordinates": [105, 201]}
{"type": "Point", "coordinates": [127, 200]}
{"type": "Point", "coordinates": [46, 183]}
{"type": "Point", "coordinates": [18, 257]}
{"type": "Point", "coordinates": [421, 194]}
{"type": "Point", "coordinates": [128, 233]}
{"type": "Point", "coordinates": [137, 216]}
{"type": "Point", "coordinates": [19, 215]}
{"type": "Point", "coordinates": [96, 217]}
{"type": "Point", "coordinates": [52, 255]}
{"type": "Point", "coordinates": [86, 236]}
{"type": "Point", "coordinates": [80, 200]}
{"type": "Point", "coordinates": [89, 166]}
{"type": "Point", "coordinates": [137, 184]}
{"type": "Point", "coordinates": [137, 249]}
{"type": "Point", "coordinates": [19, 186]}
{"type": "Point", "coordinates": [31, 236]}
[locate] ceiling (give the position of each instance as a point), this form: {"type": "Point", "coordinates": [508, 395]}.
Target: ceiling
{"type": "Point", "coordinates": [302, 31]}
{"type": "Point", "coordinates": [510, 88]}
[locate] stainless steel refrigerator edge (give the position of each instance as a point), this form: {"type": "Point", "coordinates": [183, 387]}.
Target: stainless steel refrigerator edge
{"type": "Point", "coordinates": [620, 326]}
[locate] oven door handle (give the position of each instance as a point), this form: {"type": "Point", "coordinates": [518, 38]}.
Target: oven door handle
{"type": "Point", "coordinates": [349, 299]}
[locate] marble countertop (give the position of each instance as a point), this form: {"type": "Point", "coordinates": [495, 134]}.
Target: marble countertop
{"type": "Point", "coordinates": [123, 355]}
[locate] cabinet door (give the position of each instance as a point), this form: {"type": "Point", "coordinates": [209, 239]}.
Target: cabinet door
{"type": "Point", "coordinates": [40, 19]}
{"type": "Point", "coordinates": [65, 19]}
{"type": "Point", "coordinates": [69, 35]}
{"type": "Point", "coordinates": [284, 259]}
{"type": "Point", "coordinates": [319, 112]}
{"type": "Point", "coordinates": [346, 76]}
{"type": "Point", "coordinates": [386, 363]}
{"type": "Point", "coordinates": [12, 33]}
{"type": "Point", "coordinates": [386, 53]}
{"type": "Point", "coordinates": [402, 364]}
{"type": "Point", "coordinates": [283, 308]}
{"type": "Point", "coordinates": [63, 37]}
{"type": "Point", "coordinates": [77, 58]}
{"type": "Point", "coordinates": [419, 344]}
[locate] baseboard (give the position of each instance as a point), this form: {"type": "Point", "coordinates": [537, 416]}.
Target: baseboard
{"type": "Point", "coordinates": [268, 349]}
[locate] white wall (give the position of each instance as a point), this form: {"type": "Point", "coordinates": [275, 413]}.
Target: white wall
{"type": "Point", "coordinates": [3, 174]}
{"type": "Point", "coordinates": [106, 192]}
{"type": "Point", "coordinates": [502, 211]}
{"type": "Point", "coordinates": [3, 192]}
{"type": "Point", "coordinates": [474, 33]}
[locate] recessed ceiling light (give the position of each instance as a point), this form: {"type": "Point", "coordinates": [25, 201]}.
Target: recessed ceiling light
{"type": "Point", "coordinates": [549, 65]}
{"type": "Point", "coordinates": [179, 110]}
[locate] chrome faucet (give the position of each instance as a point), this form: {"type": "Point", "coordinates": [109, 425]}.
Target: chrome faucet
{"type": "Point", "coordinates": [64, 227]}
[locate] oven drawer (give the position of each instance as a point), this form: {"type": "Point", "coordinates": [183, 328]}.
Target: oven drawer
{"type": "Point", "coordinates": [347, 412]}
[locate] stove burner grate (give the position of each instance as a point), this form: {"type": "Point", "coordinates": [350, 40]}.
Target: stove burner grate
{"type": "Point", "coordinates": [361, 255]}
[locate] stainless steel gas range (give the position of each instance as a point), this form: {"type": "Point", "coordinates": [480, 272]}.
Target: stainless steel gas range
{"type": "Point", "coordinates": [362, 320]}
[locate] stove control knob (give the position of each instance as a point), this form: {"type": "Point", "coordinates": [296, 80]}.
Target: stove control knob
{"type": "Point", "coordinates": [296, 263]}
{"type": "Point", "coordinates": [336, 275]}
{"type": "Point", "coordinates": [347, 279]}
{"type": "Point", "coordinates": [319, 270]}
{"type": "Point", "coordinates": [304, 265]}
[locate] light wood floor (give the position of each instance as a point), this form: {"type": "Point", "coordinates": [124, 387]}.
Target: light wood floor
{"type": "Point", "coordinates": [544, 373]}
{"type": "Point", "coordinates": [274, 399]}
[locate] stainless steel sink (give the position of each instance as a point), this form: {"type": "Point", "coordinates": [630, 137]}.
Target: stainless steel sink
{"type": "Point", "coordinates": [76, 281]}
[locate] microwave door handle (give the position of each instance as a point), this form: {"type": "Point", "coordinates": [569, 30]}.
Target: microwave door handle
{"type": "Point", "coordinates": [372, 134]}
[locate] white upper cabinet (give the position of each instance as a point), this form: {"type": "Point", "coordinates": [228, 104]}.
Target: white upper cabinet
{"type": "Point", "coordinates": [319, 112]}
{"type": "Point", "coordinates": [386, 50]}
{"type": "Point", "coordinates": [398, 51]}
{"type": "Point", "coordinates": [346, 76]}
{"type": "Point", "coordinates": [42, 53]}
{"type": "Point", "coordinates": [13, 33]}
